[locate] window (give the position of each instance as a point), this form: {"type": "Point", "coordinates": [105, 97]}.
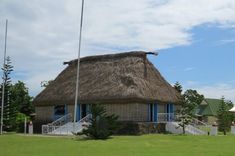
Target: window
{"type": "Point", "coordinates": [59, 110]}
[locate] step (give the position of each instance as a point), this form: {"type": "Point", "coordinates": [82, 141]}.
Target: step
{"type": "Point", "coordinates": [174, 128]}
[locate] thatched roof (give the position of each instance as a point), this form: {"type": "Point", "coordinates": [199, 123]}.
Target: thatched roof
{"type": "Point", "coordinates": [115, 78]}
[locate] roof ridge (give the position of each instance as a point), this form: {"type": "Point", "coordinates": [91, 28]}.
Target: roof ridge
{"type": "Point", "coordinates": [112, 56]}
{"type": "Point", "coordinates": [211, 99]}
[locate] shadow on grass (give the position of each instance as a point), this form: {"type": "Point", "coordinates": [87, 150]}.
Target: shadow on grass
{"type": "Point", "coordinates": [85, 138]}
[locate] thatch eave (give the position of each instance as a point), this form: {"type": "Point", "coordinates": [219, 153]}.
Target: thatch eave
{"type": "Point", "coordinates": [104, 101]}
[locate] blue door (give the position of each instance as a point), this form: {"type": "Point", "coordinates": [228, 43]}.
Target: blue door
{"type": "Point", "coordinates": [155, 112]}
{"type": "Point", "coordinates": [78, 117]}
{"type": "Point", "coordinates": [170, 111]}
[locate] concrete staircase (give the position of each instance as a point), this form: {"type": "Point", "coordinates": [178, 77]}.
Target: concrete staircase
{"type": "Point", "coordinates": [196, 127]}
{"type": "Point", "coordinates": [173, 127]}
{"type": "Point", "coordinates": [68, 127]}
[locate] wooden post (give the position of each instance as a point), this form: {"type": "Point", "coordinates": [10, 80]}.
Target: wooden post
{"type": "Point", "coordinates": [25, 125]}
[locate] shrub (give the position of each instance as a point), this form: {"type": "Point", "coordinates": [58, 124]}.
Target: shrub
{"type": "Point", "coordinates": [20, 119]}
{"type": "Point", "coordinates": [101, 126]}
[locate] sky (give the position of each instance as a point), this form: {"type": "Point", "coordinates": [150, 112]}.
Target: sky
{"type": "Point", "coordinates": [195, 39]}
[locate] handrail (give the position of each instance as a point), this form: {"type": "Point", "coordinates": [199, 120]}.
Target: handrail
{"type": "Point", "coordinates": [198, 121]}
{"type": "Point", "coordinates": [84, 119]}
{"type": "Point", "coordinates": [166, 117]}
{"type": "Point", "coordinates": [66, 117]}
{"type": "Point", "coordinates": [201, 125]}
{"type": "Point", "coordinates": [78, 126]}
{"type": "Point", "coordinates": [195, 130]}
{"type": "Point", "coordinates": [66, 128]}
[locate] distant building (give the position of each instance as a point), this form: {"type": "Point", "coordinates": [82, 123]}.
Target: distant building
{"type": "Point", "coordinates": [207, 111]}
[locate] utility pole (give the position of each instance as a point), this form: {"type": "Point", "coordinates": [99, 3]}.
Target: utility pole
{"type": "Point", "coordinates": [4, 79]}
{"type": "Point", "coordinates": [78, 66]}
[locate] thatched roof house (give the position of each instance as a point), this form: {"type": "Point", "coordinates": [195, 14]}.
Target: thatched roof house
{"type": "Point", "coordinates": [118, 79]}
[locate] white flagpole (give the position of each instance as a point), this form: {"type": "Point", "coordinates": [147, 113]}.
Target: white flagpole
{"type": "Point", "coordinates": [78, 66]}
{"type": "Point", "coordinates": [4, 79]}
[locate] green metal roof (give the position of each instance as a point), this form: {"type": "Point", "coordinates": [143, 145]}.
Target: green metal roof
{"type": "Point", "coordinates": [210, 109]}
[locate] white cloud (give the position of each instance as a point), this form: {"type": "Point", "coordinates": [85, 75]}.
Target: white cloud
{"type": "Point", "coordinates": [189, 69]}
{"type": "Point", "coordinates": [191, 83]}
{"type": "Point", "coordinates": [226, 41]}
{"type": "Point", "coordinates": [44, 33]}
{"type": "Point", "coordinates": [219, 90]}
{"type": "Point", "coordinates": [213, 90]}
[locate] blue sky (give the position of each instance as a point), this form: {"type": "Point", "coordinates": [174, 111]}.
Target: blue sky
{"type": "Point", "coordinates": [195, 39]}
{"type": "Point", "coordinates": [208, 61]}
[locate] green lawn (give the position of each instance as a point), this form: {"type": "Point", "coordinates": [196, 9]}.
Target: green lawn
{"type": "Point", "coordinates": [146, 145]}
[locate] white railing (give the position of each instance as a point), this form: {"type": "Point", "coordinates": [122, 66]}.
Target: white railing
{"type": "Point", "coordinates": [166, 117]}
{"type": "Point", "coordinates": [46, 129]}
{"type": "Point", "coordinates": [201, 125]}
{"type": "Point", "coordinates": [86, 118]}
{"type": "Point", "coordinates": [175, 128]}
{"type": "Point", "coordinates": [81, 124]}
{"type": "Point", "coordinates": [65, 126]}
{"type": "Point", "coordinates": [63, 120]}
{"type": "Point", "coordinates": [195, 127]}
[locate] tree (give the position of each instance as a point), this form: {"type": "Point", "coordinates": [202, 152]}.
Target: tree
{"type": "Point", "coordinates": [229, 103]}
{"type": "Point", "coordinates": [192, 99]}
{"type": "Point", "coordinates": [46, 83]}
{"type": "Point", "coordinates": [185, 115]}
{"type": "Point", "coordinates": [19, 121]}
{"type": "Point", "coordinates": [178, 87]}
{"type": "Point", "coordinates": [224, 117]}
{"type": "Point", "coordinates": [16, 99]}
{"type": "Point", "coordinates": [21, 99]}
{"type": "Point", "coordinates": [184, 119]}
{"type": "Point", "coordinates": [7, 117]}
{"type": "Point", "coordinates": [193, 96]}
{"type": "Point", "coordinates": [19, 103]}
{"type": "Point", "coordinates": [102, 125]}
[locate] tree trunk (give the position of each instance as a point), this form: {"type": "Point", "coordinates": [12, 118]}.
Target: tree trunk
{"type": "Point", "coordinates": [183, 129]}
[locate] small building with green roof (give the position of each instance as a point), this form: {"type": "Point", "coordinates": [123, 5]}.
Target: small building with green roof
{"type": "Point", "coordinates": [208, 109]}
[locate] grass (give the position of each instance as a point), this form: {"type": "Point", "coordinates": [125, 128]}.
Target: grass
{"type": "Point", "coordinates": [146, 145]}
